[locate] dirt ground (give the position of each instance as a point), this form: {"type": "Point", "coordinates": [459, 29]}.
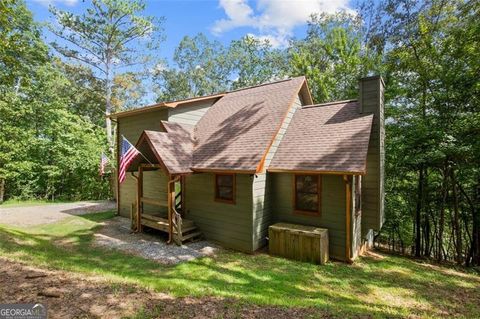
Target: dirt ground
{"type": "Point", "coordinates": [70, 295]}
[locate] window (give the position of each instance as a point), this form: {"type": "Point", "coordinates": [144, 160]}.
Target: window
{"type": "Point", "coordinates": [307, 194]}
{"type": "Point", "coordinates": [225, 188]}
{"type": "Point", "coordinates": [358, 195]}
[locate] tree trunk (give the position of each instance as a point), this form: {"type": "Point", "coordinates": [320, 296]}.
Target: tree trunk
{"type": "Point", "coordinates": [441, 223]}
{"type": "Point", "coordinates": [473, 256]}
{"type": "Point", "coordinates": [108, 109]}
{"type": "Point", "coordinates": [418, 214]}
{"type": "Point", "coordinates": [456, 221]}
{"type": "Point", "coordinates": [476, 228]}
{"type": "Point", "coordinates": [2, 189]}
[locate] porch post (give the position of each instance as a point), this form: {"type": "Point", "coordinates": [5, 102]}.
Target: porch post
{"type": "Point", "coordinates": [170, 193]}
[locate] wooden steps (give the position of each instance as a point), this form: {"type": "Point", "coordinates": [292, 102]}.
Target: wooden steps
{"type": "Point", "coordinates": [193, 235]}
{"type": "Point", "coordinates": [190, 232]}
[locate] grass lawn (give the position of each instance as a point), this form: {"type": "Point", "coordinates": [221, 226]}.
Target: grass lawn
{"type": "Point", "coordinates": [378, 286]}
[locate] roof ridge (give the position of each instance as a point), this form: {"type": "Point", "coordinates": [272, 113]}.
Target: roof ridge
{"type": "Point", "coordinates": [264, 84]}
{"type": "Point", "coordinates": [329, 103]}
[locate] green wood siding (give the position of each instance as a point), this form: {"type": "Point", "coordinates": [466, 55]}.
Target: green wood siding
{"type": "Point", "coordinates": [132, 127]}
{"type": "Point", "coordinates": [228, 224]}
{"type": "Point", "coordinates": [356, 224]}
{"type": "Point", "coordinates": [332, 208]}
{"type": "Point", "coordinates": [262, 210]}
{"type": "Point", "coordinates": [188, 114]}
{"type": "Point", "coordinates": [371, 101]}
{"type": "Point", "coordinates": [155, 186]}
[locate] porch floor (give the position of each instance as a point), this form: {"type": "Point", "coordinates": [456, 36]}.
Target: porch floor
{"type": "Point", "coordinates": [161, 223]}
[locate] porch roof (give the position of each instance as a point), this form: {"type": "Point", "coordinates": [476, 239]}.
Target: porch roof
{"type": "Point", "coordinates": [171, 149]}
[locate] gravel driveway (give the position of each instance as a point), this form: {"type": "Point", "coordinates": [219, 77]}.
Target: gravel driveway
{"type": "Point", "coordinates": [45, 214]}
{"type": "Point", "coordinates": [115, 233]}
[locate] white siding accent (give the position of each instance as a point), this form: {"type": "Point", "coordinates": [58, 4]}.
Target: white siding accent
{"type": "Point", "coordinates": [261, 196]}
{"type": "Point", "coordinates": [283, 129]}
{"type": "Point", "coordinates": [190, 114]}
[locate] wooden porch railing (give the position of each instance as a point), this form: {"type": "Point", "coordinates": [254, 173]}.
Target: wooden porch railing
{"type": "Point", "coordinates": [178, 202]}
{"type": "Point", "coordinates": [177, 227]}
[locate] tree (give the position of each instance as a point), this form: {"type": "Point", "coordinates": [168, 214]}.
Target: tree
{"type": "Point", "coordinates": [201, 68]}
{"type": "Point", "coordinates": [21, 48]}
{"type": "Point", "coordinates": [110, 37]}
{"type": "Point", "coordinates": [433, 111]}
{"type": "Point", "coordinates": [84, 91]}
{"type": "Point", "coordinates": [333, 56]}
{"type": "Point", "coordinates": [254, 61]}
{"type": "Point", "coordinates": [21, 52]}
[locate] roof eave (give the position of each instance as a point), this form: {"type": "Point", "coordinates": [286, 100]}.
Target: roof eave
{"type": "Point", "coordinates": [309, 171]}
{"type": "Point", "coordinates": [157, 106]}
{"type": "Point", "coordinates": [223, 170]}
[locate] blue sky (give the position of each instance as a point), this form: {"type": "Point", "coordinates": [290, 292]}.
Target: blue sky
{"type": "Point", "coordinates": [223, 20]}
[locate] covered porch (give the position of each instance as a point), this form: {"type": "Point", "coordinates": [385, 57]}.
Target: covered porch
{"type": "Point", "coordinates": [161, 151]}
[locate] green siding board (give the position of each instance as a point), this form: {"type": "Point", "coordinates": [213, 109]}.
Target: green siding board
{"type": "Point", "coordinates": [132, 127]}
{"type": "Point", "coordinates": [262, 214]}
{"type": "Point", "coordinates": [371, 101]}
{"type": "Point", "coordinates": [155, 186]}
{"type": "Point", "coordinates": [128, 191]}
{"type": "Point", "coordinates": [332, 208]}
{"type": "Point", "coordinates": [189, 114]}
{"type": "Point", "coordinates": [229, 224]}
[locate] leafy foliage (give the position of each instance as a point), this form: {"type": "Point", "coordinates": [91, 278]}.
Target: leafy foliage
{"type": "Point", "coordinates": [111, 37]}
{"type": "Point", "coordinates": [47, 149]}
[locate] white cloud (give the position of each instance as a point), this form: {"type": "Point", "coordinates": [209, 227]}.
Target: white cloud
{"type": "Point", "coordinates": [273, 40]}
{"type": "Point", "coordinates": [46, 3]}
{"type": "Point", "coordinates": [274, 19]}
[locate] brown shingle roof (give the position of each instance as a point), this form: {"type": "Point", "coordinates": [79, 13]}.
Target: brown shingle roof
{"type": "Point", "coordinates": [330, 137]}
{"type": "Point", "coordinates": [236, 131]}
{"type": "Point", "coordinates": [178, 128]}
{"type": "Point", "coordinates": [173, 149]}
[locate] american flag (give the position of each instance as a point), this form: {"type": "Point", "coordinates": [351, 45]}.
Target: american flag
{"type": "Point", "coordinates": [103, 164]}
{"type": "Point", "coordinates": [128, 153]}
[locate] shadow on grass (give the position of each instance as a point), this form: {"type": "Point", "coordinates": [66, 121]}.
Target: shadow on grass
{"type": "Point", "coordinates": [386, 287]}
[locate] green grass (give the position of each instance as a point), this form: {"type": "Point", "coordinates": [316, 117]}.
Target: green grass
{"type": "Point", "coordinates": [387, 286]}
{"type": "Point", "coordinates": [30, 202]}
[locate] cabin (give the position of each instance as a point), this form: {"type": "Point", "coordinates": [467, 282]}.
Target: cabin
{"type": "Point", "coordinates": [227, 166]}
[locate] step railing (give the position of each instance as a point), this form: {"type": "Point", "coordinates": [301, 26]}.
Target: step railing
{"type": "Point", "coordinates": [177, 227]}
{"type": "Point", "coordinates": [178, 202]}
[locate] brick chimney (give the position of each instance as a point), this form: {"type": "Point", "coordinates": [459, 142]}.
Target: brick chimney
{"type": "Point", "coordinates": [371, 99]}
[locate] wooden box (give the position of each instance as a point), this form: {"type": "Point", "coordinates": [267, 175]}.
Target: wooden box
{"type": "Point", "coordinates": [299, 242]}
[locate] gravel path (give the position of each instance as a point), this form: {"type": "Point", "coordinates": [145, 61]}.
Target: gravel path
{"type": "Point", "coordinates": [45, 214]}
{"type": "Point", "coordinates": [116, 234]}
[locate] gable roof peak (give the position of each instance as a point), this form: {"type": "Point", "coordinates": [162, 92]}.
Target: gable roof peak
{"type": "Point", "coordinates": [266, 84]}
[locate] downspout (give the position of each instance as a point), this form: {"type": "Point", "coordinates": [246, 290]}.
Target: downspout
{"type": "Point", "coordinates": [348, 218]}
{"type": "Point", "coordinates": [170, 204]}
